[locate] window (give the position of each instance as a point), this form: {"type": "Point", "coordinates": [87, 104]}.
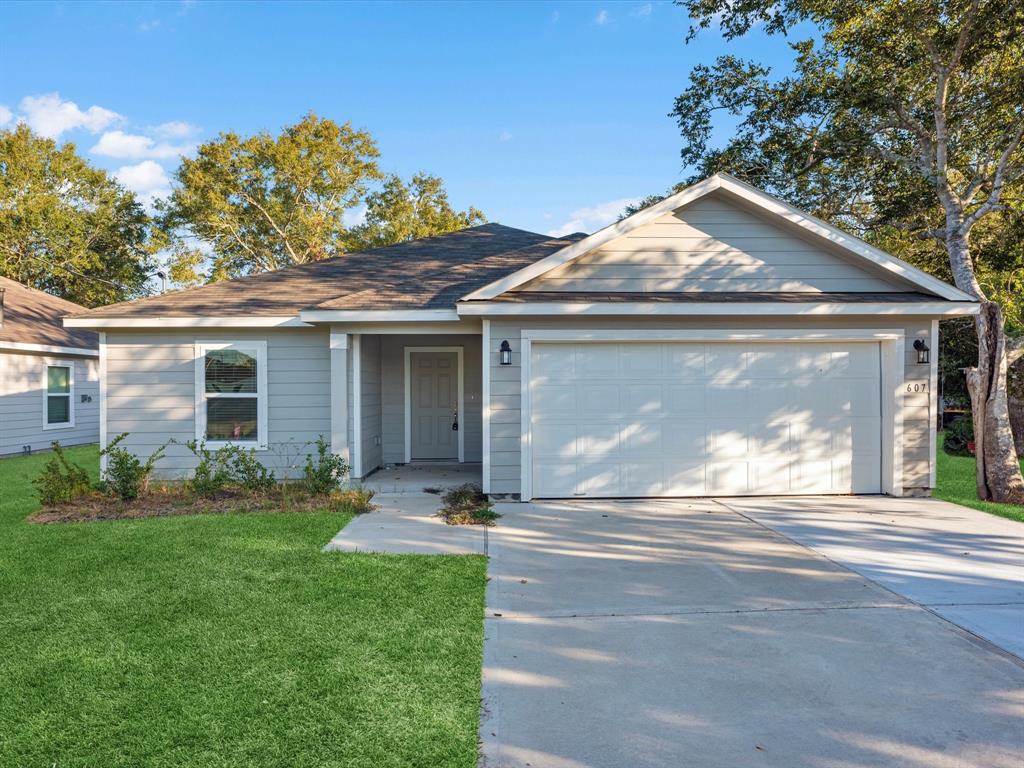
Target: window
{"type": "Point", "coordinates": [58, 394]}
{"type": "Point", "coordinates": [231, 393]}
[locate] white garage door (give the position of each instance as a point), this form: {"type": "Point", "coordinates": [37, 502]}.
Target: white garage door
{"type": "Point", "coordinates": [693, 419]}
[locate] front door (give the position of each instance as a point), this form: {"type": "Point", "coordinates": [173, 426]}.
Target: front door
{"type": "Point", "coordinates": [434, 398]}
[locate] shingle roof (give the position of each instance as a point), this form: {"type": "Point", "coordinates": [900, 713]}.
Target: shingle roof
{"type": "Point", "coordinates": [419, 274]}
{"type": "Point", "coordinates": [35, 317]}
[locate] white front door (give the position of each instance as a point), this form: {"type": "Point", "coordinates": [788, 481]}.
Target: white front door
{"type": "Point", "coordinates": [623, 419]}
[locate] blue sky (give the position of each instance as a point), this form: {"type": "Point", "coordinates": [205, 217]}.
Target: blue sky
{"type": "Point", "coordinates": [546, 115]}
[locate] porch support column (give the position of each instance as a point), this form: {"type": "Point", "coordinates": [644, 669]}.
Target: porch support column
{"type": "Point", "coordinates": [339, 395]}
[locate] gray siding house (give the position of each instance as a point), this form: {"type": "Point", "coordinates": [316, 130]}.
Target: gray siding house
{"type": "Point", "coordinates": [49, 374]}
{"type": "Point", "coordinates": [719, 342]}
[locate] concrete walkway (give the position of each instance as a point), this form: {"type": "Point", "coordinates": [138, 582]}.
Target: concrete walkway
{"type": "Point", "coordinates": [684, 634]}
{"type": "Point", "coordinates": [963, 564]}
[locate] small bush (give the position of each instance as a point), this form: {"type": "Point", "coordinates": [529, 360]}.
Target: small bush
{"type": "Point", "coordinates": [468, 505]}
{"type": "Point", "coordinates": [212, 474]}
{"type": "Point", "coordinates": [125, 475]}
{"type": "Point", "coordinates": [325, 474]}
{"type": "Point", "coordinates": [61, 480]}
{"type": "Point", "coordinates": [355, 501]}
{"type": "Point", "coordinates": [249, 473]}
{"type": "Point", "coordinates": [958, 435]}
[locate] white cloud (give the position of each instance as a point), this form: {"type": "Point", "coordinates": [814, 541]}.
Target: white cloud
{"type": "Point", "coordinates": [354, 217]}
{"type": "Point", "coordinates": [49, 115]}
{"type": "Point", "coordinates": [642, 10]}
{"type": "Point", "coordinates": [504, 136]}
{"type": "Point", "coordinates": [175, 129]}
{"type": "Point", "coordinates": [595, 217]}
{"type": "Point", "coordinates": [130, 146]}
{"type": "Point", "coordinates": [147, 179]}
{"type": "Point", "coordinates": [602, 18]}
{"type": "Point", "coordinates": [5, 115]}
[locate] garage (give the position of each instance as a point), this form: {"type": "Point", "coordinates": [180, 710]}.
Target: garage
{"type": "Point", "coordinates": [692, 418]}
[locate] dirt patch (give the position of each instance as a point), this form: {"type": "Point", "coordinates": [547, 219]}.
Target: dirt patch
{"type": "Point", "coordinates": [176, 500]}
{"type": "Point", "coordinates": [467, 505]}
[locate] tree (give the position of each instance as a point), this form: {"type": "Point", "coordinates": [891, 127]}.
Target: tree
{"type": "Point", "coordinates": [264, 202]}
{"type": "Point", "coordinates": [399, 212]}
{"type": "Point", "coordinates": [68, 228]}
{"type": "Point", "coordinates": [903, 119]}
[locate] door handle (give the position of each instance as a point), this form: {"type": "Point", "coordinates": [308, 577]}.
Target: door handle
{"type": "Point", "coordinates": [455, 421]}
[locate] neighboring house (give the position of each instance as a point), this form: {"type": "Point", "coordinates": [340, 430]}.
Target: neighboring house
{"type": "Point", "coordinates": [719, 342]}
{"type": "Point", "coordinates": [49, 374]}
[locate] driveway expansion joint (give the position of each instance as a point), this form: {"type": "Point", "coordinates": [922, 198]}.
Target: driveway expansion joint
{"type": "Point", "coordinates": [700, 612]}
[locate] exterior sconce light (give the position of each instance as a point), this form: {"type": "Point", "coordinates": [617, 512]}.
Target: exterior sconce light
{"type": "Point", "coordinates": [505, 353]}
{"type": "Point", "coordinates": [923, 357]}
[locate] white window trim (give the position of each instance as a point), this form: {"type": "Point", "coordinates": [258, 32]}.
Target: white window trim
{"type": "Point", "coordinates": [260, 347]}
{"type": "Point", "coordinates": [891, 343]}
{"type": "Point", "coordinates": [57, 363]}
{"type": "Point", "coordinates": [407, 404]}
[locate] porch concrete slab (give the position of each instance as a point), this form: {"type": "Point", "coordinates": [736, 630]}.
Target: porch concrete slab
{"type": "Point", "coordinates": [408, 524]}
{"type": "Point", "coordinates": [964, 564]}
{"type": "Point", "coordinates": [414, 477]}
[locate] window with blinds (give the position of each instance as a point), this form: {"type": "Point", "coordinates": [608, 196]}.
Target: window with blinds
{"type": "Point", "coordinates": [58, 406]}
{"type": "Point", "coordinates": [231, 393]}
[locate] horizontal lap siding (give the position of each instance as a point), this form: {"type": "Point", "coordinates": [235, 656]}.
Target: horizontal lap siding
{"type": "Point", "coordinates": [21, 403]}
{"type": "Point", "coordinates": [151, 394]}
{"type": "Point", "coordinates": [370, 380]}
{"type": "Point", "coordinates": [393, 391]}
{"type": "Point", "coordinates": [711, 245]}
{"type": "Point", "coordinates": [918, 409]}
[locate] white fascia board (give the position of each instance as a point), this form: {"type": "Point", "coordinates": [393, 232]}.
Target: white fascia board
{"type": "Point", "coordinates": [378, 315]}
{"type": "Point", "coordinates": [572, 335]}
{"type": "Point", "coordinates": [596, 240]}
{"type": "Point", "coordinates": [48, 349]}
{"type": "Point", "coordinates": [470, 326]}
{"type": "Point", "coordinates": [744, 309]}
{"type": "Point", "coordinates": [762, 200]}
{"type": "Point", "coordinates": [242, 321]}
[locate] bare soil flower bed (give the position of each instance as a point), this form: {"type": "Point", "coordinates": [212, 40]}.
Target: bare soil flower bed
{"type": "Point", "coordinates": [168, 500]}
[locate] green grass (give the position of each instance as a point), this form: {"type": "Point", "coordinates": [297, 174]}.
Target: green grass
{"type": "Point", "coordinates": [228, 640]}
{"type": "Point", "coordinates": [954, 481]}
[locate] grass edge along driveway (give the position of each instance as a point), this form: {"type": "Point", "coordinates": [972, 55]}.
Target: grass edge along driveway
{"type": "Point", "coordinates": [228, 640]}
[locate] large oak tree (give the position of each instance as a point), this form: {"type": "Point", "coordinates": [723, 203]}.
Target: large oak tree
{"type": "Point", "coordinates": [903, 120]}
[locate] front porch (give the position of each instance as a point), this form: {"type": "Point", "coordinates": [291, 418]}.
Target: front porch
{"type": "Point", "coordinates": [401, 399]}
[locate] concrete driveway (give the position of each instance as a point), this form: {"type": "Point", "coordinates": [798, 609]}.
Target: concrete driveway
{"type": "Point", "coordinates": [686, 634]}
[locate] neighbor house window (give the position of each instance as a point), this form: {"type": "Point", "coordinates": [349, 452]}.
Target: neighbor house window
{"type": "Point", "coordinates": [231, 393]}
{"type": "Point", "coordinates": [59, 408]}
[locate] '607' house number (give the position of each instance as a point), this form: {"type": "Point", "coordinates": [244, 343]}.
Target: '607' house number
{"type": "Point", "coordinates": [918, 387]}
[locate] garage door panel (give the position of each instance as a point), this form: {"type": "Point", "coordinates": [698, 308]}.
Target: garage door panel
{"type": "Point", "coordinates": [683, 419]}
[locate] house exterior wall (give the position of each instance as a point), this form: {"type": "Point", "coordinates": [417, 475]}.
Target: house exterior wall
{"type": "Point", "coordinates": [151, 393]}
{"type": "Point", "coordinates": [22, 402]}
{"type": "Point", "coordinates": [392, 355]}
{"type": "Point", "coordinates": [713, 244]}
{"type": "Point", "coordinates": [371, 442]}
{"type": "Point", "coordinates": [918, 408]}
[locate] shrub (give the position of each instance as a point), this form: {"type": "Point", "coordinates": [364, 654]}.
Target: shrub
{"type": "Point", "coordinates": [61, 480]}
{"type": "Point", "coordinates": [212, 473]}
{"type": "Point", "coordinates": [354, 501]}
{"type": "Point", "coordinates": [325, 474]}
{"type": "Point", "coordinates": [248, 472]}
{"type": "Point", "coordinates": [468, 505]}
{"type": "Point", "coordinates": [958, 435]}
{"type": "Point", "coordinates": [125, 475]}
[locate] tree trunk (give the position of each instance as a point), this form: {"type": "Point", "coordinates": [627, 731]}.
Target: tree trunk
{"type": "Point", "coordinates": [998, 468]}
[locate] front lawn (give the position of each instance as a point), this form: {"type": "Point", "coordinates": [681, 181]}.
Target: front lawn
{"type": "Point", "coordinates": [954, 482]}
{"type": "Point", "coordinates": [228, 640]}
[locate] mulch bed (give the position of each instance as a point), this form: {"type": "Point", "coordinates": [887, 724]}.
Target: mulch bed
{"type": "Point", "coordinates": [170, 501]}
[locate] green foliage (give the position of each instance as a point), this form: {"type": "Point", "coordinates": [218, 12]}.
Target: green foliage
{"type": "Point", "coordinates": [229, 465]}
{"type": "Point", "coordinates": [68, 228]}
{"type": "Point", "coordinates": [354, 501]}
{"type": "Point", "coordinates": [958, 435]}
{"type": "Point", "coordinates": [324, 473]}
{"type": "Point", "coordinates": [467, 504]}
{"type": "Point", "coordinates": [266, 202]}
{"type": "Point", "coordinates": [61, 480]}
{"type": "Point", "coordinates": [126, 476]}
{"type": "Point", "coordinates": [401, 212]}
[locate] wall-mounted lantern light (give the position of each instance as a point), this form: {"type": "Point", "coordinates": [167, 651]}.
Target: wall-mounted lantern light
{"type": "Point", "coordinates": [505, 353]}
{"type": "Point", "coordinates": [922, 352]}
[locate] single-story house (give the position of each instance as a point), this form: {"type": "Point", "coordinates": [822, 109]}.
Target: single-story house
{"type": "Point", "coordinates": [49, 374]}
{"type": "Point", "coordinates": [719, 342]}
